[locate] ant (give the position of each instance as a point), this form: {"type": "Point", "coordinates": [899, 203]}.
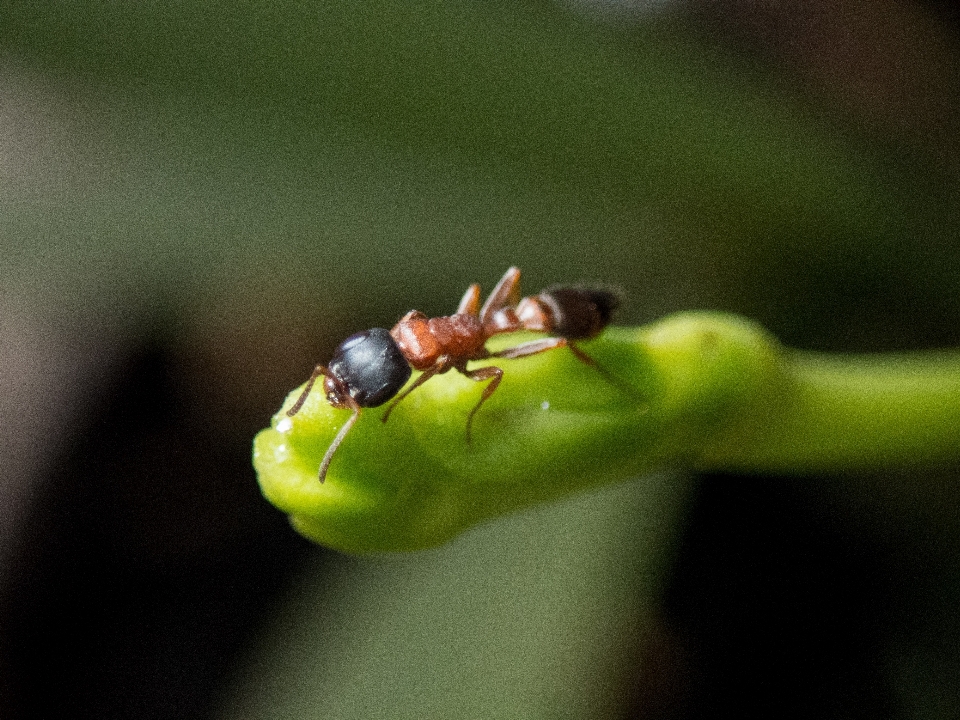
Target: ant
{"type": "Point", "coordinates": [370, 367]}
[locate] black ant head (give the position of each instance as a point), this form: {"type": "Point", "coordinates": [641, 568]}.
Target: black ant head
{"type": "Point", "coordinates": [368, 367]}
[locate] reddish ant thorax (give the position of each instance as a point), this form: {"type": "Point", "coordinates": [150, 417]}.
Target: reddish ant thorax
{"type": "Point", "coordinates": [424, 340]}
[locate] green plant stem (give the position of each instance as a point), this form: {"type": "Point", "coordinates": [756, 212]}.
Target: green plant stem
{"type": "Point", "coordinates": [701, 390]}
{"type": "Point", "coordinates": [834, 413]}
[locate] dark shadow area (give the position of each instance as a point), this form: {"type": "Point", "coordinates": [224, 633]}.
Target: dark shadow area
{"type": "Point", "coordinates": [151, 556]}
{"type": "Point", "coordinates": [777, 609]}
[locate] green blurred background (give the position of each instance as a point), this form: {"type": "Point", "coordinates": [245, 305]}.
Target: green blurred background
{"type": "Point", "coordinates": [199, 200]}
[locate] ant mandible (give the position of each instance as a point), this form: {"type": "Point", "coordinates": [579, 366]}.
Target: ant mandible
{"type": "Point", "coordinates": [369, 368]}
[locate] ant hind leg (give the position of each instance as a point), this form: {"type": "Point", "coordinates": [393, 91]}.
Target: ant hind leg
{"type": "Point", "coordinates": [535, 347]}
{"type": "Point", "coordinates": [614, 380]}
{"type": "Point", "coordinates": [426, 375]}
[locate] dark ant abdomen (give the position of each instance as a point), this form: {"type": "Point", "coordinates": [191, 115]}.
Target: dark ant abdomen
{"type": "Point", "coordinates": [579, 313]}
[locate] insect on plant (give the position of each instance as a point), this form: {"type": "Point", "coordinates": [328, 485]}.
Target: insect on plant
{"type": "Point", "coordinates": [371, 367]}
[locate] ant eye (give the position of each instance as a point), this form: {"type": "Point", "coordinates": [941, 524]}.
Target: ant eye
{"type": "Point", "coordinates": [371, 366]}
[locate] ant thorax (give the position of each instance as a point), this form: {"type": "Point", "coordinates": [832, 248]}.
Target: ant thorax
{"type": "Point", "coordinates": [423, 341]}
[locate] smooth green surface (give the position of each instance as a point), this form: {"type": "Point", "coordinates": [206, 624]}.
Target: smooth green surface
{"type": "Point", "coordinates": [827, 413]}
{"type": "Point", "coordinates": [712, 391]}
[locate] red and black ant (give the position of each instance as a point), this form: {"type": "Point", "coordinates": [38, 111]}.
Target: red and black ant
{"type": "Point", "coordinates": [369, 368]}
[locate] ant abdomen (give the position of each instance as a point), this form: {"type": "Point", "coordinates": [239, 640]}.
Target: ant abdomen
{"type": "Point", "coordinates": [571, 313]}
{"type": "Point", "coordinates": [579, 313]}
{"type": "Point", "coordinates": [370, 365]}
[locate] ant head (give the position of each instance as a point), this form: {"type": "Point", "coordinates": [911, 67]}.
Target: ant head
{"type": "Point", "coordinates": [368, 367]}
{"type": "Point", "coordinates": [338, 394]}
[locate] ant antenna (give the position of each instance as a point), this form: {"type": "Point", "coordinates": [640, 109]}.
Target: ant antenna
{"type": "Point", "coordinates": [328, 457]}
{"type": "Point", "coordinates": [344, 400]}
{"type": "Point", "coordinates": [317, 372]}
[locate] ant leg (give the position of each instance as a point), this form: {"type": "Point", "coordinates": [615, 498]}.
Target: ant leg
{"type": "Point", "coordinates": [506, 293]}
{"type": "Point", "coordinates": [491, 373]}
{"type": "Point", "coordinates": [317, 372]}
{"type": "Point", "coordinates": [538, 346]}
{"type": "Point", "coordinates": [582, 356]}
{"type": "Point", "coordinates": [328, 456]}
{"type": "Point", "coordinates": [607, 375]}
{"type": "Point", "coordinates": [439, 367]}
{"type": "Point", "coordinates": [470, 304]}
{"type": "Point", "coordinates": [531, 348]}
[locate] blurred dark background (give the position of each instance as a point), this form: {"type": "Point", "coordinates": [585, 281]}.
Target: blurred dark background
{"type": "Point", "coordinates": [199, 200]}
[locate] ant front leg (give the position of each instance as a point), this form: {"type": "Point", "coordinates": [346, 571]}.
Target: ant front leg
{"type": "Point", "coordinates": [328, 456]}
{"type": "Point", "coordinates": [439, 367]}
{"type": "Point", "coordinates": [491, 373]}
